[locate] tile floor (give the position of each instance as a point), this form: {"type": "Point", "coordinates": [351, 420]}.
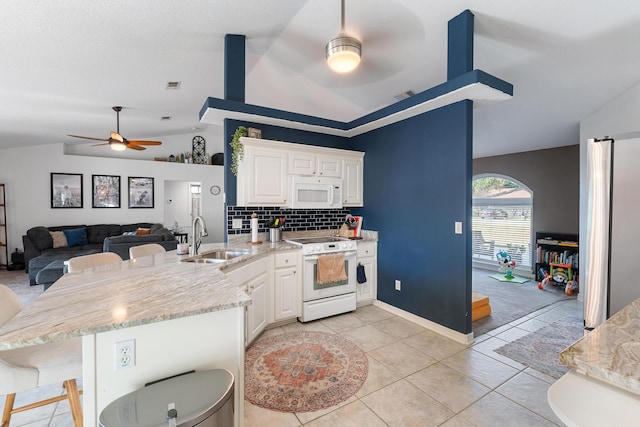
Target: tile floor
{"type": "Point", "coordinates": [416, 378]}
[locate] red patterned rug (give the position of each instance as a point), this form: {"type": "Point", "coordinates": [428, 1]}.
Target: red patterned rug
{"type": "Point", "coordinates": [303, 371]}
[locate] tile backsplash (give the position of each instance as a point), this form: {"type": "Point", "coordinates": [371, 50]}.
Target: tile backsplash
{"type": "Point", "coordinates": [294, 219]}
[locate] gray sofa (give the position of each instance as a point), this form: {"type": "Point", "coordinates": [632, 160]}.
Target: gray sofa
{"type": "Point", "coordinates": [40, 253]}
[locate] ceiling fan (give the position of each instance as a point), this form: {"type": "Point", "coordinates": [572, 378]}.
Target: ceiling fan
{"type": "Point", "coordinates": [116, 141]}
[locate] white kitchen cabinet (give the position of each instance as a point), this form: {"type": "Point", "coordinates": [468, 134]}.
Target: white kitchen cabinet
{"type": "Point", "coordinates": [367, 257]}
{"type": "Point", "coordinates": [254, 279]}
{"type": "Point", "coordinates": [329, 166]}
{"type": "Point", "coordinates": [262, 175]}
{"type": "Point", "coordinates": [309, 162]}
{"type": "Point", "coordinates": [302, 163]}
{"type": "Point", "coordinates": [287, 285]}
{"type": "Point", "coordinates": [352, 186]}
{"type": "Point", "coordinates": [257, 312]}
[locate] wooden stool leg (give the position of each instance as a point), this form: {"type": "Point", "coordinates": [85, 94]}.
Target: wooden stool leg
{"type": "Point", "coordinates": [74, 401]}
{"type": "Point", "coordinates": [8, 407]}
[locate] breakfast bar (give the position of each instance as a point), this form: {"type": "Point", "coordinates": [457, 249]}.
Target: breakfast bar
{"type": "Point", "coordinates": [603, 387]}
{"type": "Point", "coordinates": [183, 316]}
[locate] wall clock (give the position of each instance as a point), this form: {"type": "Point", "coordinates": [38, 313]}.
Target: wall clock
{"type": "Point", "coordinates": [215, 190]}
{"type": "Point", "coordinates": [198, 150]}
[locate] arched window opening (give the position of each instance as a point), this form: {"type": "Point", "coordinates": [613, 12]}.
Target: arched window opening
{"type": "Point", "coordinates": [501, 220]}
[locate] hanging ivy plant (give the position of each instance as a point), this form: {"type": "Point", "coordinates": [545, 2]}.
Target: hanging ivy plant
{"type": "Point", "coordinates": [238, 149]}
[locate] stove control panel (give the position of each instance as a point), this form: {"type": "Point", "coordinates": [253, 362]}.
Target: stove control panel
{"type": "Point", "coordinates": [329, 247]}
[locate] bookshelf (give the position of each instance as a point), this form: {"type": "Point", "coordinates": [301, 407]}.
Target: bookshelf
{"type": "Point", "coordinates": [4, 249]}
{"type": "Point", "coordinates": [557, 253]}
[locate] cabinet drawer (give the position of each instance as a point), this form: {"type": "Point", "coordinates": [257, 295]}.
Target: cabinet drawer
{"type": "Point", "coordinates": [366, 249]}
{"type": "Point", "coordinates": [286, 259]}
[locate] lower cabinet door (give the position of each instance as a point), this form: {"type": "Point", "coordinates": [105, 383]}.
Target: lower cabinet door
{"type": "Point", "coordinates": [256, 314]}
{"type": "Point", "coordinates": [366, 292]}
{"type": "Point", "coordinates": [286, 293]}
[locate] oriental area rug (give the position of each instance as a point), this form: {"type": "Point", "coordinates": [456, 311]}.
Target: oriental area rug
{"type": "Point", "coordinates": [541, 349]}
{"type": "Point", "coordinates": [303, 371]}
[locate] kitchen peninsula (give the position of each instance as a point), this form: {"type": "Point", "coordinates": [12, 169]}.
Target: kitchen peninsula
{"type": "Point", "coordinates": [182, 316]}
{"type": "Point", "coordinates": [603, 387]}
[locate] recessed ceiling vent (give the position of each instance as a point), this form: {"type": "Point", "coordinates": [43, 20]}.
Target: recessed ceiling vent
{"type": "Point", "coordinates": [404, 95]}
{"type": "Point", "coordinates": [163, 118]}
{"type": "Point", "coordinates": [173, 85]}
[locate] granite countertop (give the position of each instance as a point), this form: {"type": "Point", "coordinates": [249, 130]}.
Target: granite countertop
{"type": "Point", "coordinates": [137, 292]}
{"type": "Point", "coordinates": [611, 352]}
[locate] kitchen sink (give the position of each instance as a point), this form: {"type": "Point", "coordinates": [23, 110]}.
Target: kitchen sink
{"type": "Point", "coordinates": [217, 256]}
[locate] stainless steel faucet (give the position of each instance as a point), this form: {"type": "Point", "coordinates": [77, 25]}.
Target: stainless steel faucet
{"type": "Point", "coordinates": [196, 238]}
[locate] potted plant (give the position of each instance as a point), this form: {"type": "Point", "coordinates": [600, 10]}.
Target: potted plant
{"type": "Point", "coordinates": [237, 148]}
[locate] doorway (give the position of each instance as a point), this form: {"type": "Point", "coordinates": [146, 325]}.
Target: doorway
{"type": "Point", "coordinates": [183, 204]}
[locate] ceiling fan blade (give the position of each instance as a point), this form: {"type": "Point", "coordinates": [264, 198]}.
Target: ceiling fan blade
{"type": "Point", "coordinates": [131, 141]}
{"type": "Point", "coordinates": [88, 137]}
{"type": "Point", "coordinates": [135, 147]}
{"type": "Point", "coordinates": [116, 136]}
{"type": "Point", "coordinates": [97, 145]}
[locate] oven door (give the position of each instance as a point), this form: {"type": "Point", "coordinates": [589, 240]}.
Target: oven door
{"type": "Point", "coordinates": [312, 290]}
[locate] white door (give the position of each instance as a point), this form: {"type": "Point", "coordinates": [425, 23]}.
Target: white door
{"type": "Point", "coordinates": [287, 293]}
{"type": "Point", "coordinates": [257, 310]}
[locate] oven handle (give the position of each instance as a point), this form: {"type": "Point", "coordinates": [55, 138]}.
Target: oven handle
{"type": "Point", "coordinates": [315, 257]}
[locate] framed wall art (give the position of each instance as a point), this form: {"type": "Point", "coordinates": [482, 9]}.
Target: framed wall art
{"type": "Point", "coordinates": [140, 192]}
{"type": "Point", "coordinates": [66, 190]}
{"type": "Point", "coordinates": [106, 191]}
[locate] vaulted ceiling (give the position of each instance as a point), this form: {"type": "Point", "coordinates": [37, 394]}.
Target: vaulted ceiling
{"type": "Point", "coordinates": [66, 62]}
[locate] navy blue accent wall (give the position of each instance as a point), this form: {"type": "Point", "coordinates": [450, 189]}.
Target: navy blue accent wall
{"type": "Point", "coordinates": [234, 67]}
{"type": "Point", "coordinates": [460, 45]}
{"type": "Point", "coordinates": [417, 183]}
{"type": "Point", "coordinates": [274, 133]}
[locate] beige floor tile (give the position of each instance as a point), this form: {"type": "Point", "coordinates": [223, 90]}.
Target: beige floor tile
{"type": "Point", "coordinates": [532, 325]}
{"type": "Point", "coordinates": [401, 358]}
{"type": "Point", "coordinates": [64, 420]}
{"type": "Point", "coordinates": [449, 387]}
{"type": "Point", "coordinates": [271, 332]}
{"type": "Point", "coordinates": [355, 414]}
{"type": "Point", "coordinates": [377, 377]}
{"type": "Point", "coordinates": [315, 326]}
{"type": "Point", "coordinates": [531, 393]}
{"type": "Point", "coordinates": [36, 416]}
{"type": "Point", "coordinates": [305, 417]}
{"type": "Point", "coordinates": [487, 347]}
{"type": "Point", "coordinates": [458, 421]}
{"type": "Point", "coordinates": [402, 404]}
{"type": "Point", "coordinates": [368, 338]}
{"type": "Point", "coordinates": [480, 367]}
{"type": "Point", "coordinates": [343, 323]}
{"type": "Point", "coordinates": [399, 328]}
{"type": "Point", "coordinates": [512, 334]}
{"type": "Point", "coordinates": [496, 410]}
{"type": "Point", "coordinates": [539, 375]}
{"type": "Point", "coordinates": [434, 345]}
{"type": "Point", "coordinates": [255, 416]}
{"type": "Point", "coordinates": [372, 314]}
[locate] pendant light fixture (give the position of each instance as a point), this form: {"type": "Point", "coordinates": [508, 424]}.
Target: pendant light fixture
{"type": "Point", "coordinates": [343, 52]}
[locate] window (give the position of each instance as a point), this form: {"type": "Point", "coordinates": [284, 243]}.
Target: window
{"type": "Point", "coordinates": [501, 220]}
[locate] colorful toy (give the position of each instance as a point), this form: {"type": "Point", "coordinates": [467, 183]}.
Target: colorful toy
{"type": "Point", "coordinates": [559, 274]}
{"type": "Point", "coordinates": [506, 264]}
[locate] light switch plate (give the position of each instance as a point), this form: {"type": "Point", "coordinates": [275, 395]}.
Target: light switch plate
{"type": "Point", "coordinates": [458, 227]}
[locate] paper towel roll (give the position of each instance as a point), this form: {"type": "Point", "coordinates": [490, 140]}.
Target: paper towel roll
{"type": "Point", "coordinates": [254, 228]}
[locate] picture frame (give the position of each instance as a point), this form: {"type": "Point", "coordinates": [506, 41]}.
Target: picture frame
{"type": "Point", "coordinates": [254, 133]}
{"type": "Point", "coordinates": [66, 190]}
{"type": "Point", "coordinates": [140, 192]}
{"type": "Point", "coordinates": [105, 191]}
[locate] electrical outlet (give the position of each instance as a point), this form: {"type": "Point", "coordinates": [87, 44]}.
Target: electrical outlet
{"type": "Point", "coordinates": [236, 223]}
{"type": "Point", "coordinates": [458, 227]}
{"type": "Point", "coordinates": [397, 285]}
{"type": "Point", "coordinates": [125, 354]}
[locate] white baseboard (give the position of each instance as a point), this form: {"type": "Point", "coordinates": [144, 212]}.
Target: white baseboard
{"type": "Point", "coordinates": [465, 339]}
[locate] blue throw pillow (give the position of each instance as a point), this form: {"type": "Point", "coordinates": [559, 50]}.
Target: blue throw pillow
{"type": "Point", "coordinates": [76, 236]}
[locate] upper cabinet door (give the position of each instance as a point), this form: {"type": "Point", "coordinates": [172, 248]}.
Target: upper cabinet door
{"type": "Point", "coordinates": [262, 178]}
{"type": "Point", "coordinates": [329, 166]}
{"type": "Point", "coordinates": [301, 163]}
{"type": "Point", "coordinates": [352, 187]}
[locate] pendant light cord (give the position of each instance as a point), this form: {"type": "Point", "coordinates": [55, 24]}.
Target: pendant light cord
{"type": "Point", "coordinates": [342, 17]}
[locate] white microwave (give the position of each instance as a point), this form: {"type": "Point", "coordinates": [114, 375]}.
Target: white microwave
{"type": "Point", "coordinates": [316, 192]}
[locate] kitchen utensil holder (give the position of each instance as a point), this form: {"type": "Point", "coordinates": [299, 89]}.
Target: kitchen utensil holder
{"type": "Point", "coordinates": [275, 235]}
